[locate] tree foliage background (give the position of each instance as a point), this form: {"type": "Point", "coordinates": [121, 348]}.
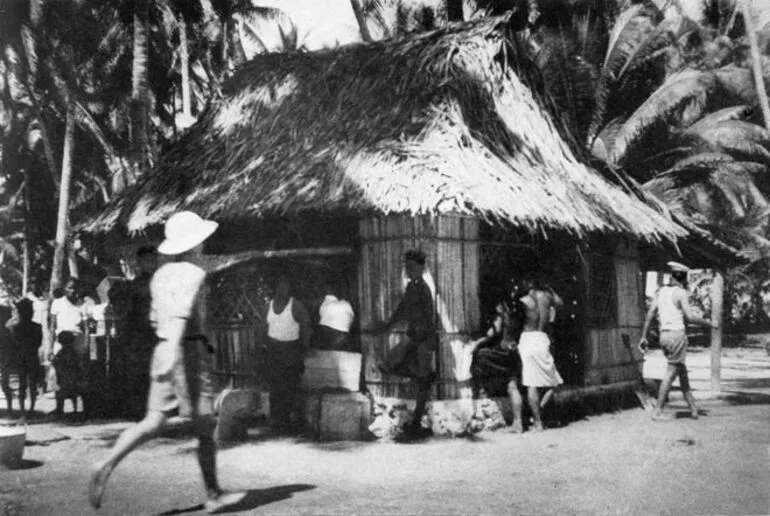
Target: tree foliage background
{"type": "Point", "coordinates": [662, 89]}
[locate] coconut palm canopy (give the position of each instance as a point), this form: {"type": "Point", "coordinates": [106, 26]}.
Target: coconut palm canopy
{"type": "Point", "coordinates": [437, 123]}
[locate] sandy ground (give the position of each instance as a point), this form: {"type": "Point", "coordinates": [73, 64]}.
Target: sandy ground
{"type": "Point", "coordinates": [617, 463]}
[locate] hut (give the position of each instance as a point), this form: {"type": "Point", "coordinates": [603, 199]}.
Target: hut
{"type": "Point", "coordinates": [336, 162]}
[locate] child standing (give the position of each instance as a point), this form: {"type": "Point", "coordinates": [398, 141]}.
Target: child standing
{"type": "Point", "coordinates": [26, 338]}
{"type": "Point", "coordinates": [69, 373]}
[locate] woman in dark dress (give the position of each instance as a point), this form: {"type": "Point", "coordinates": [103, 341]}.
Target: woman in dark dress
{"type": "Point", "coordinates": [496, 366]}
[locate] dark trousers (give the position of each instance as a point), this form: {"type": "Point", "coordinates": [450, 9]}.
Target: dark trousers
{"type": "Point", "coordinates": [285, 377]}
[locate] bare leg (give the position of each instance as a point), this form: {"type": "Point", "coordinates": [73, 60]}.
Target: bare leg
{"type": "Point", "coordinates": [534, 405]}
{"type": "Point", "coordinates": [207, 460]}
{"type": "Point", "coordinates": [207, 454]}
{"type": "Point", "coordinates": [23, 383]}
{"type": "Point", "coordinates": [423, 390]}
{"type": "Point", "coordinates": [684, 383]}
{"type": "Point", "coordinates": [129, 440]}
{"type": "Point", "coordinates": [665, 386]}
{"type": "Point", "coordinates": [516, 403]}
{"type": "Point", "coordinates": [546, 398]}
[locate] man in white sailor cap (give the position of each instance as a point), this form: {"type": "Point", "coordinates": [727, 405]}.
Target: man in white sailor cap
{"type": "Point", "coordinates": [673, 308]}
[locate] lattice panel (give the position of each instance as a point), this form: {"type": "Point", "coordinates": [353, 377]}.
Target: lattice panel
{"type": "Point", "coordinates": [238, 296]}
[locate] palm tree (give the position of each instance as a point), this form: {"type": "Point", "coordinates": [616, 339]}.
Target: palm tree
{"type": "Point", "coordinates": [674, 105]}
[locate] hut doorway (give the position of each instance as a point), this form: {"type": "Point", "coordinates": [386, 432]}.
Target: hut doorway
{"type": "Point", "coordinates": [512, 255]}
{"type": "Point", "coordinates": [237, 308]}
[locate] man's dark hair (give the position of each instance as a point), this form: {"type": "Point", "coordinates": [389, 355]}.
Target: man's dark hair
{"type": "Point", "coordinates": [25, 308]}
{"type": "Point", "coordinates": [680, 276]}
{"type": "Point", "coordinates": [415, 256]}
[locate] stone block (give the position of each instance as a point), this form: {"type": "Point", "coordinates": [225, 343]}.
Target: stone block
{"type": "Point", "coordinates": [12, 440]}
{"type": "Point", "coordinates": [332, 370]}
{"type": "Point", "coordinates": [235, 407]}
{"type": "Point", "coordinates": [337, 415]}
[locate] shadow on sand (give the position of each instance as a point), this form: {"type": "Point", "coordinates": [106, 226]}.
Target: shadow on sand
{"type": "Point", "coordinates": [23, 464]}
{"type": "Point", "coordinates": [254, 498]}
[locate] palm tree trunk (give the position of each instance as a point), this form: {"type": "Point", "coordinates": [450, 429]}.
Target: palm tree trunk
{"type": "Point", "coordinates": [139, 89]}
{"type": "Point", "coordinates": [717, 315]}
{"type": "Point", "coordinates": [358, 10]}
{"type": "Point", "coordinates": [184, 55]}
{"type": "Point", "coordinates": [30, 73]}
{"type": "Point", "coordinates": [27, 256]}
{"type": "Point", "coordinates": [64, 198]}
{"type": "Point", "coordinates": [756, 62]}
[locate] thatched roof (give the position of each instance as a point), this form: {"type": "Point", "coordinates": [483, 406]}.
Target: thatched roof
{"type": "Point", "coordinates": [437, 123]}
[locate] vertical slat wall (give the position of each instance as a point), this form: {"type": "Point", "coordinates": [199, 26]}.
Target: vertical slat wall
{"type": "Point", "coordinates": [610, 361]}
{"type": "Point", "coordinates": [238, 362]}
{"type": "Point", "coordinates": [450, 244]}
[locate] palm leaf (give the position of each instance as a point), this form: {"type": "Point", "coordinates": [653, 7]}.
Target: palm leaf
{"type": "Point", "coordinates": [266, 29]}
{"type": "Point", "coordinates": [740, 112]}
{"type": "Point", "coordinates": [683, 93]}
{"type": "Point", "coordinates": [738, 138]}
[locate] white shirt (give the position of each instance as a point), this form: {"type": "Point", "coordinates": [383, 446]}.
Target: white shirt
{"type": "Point", "coordinates": [176, 290]}
{"type": "Point", "coordinates": [282, 327]}
{"type": "Point", "coordinates": [39, 309]}
{"type": "Point", "coordinates": [336, 314]}
{"type": "Point", "coordinates": [670, 315]}
{"type": "Point", "coordinates": [68, 316]}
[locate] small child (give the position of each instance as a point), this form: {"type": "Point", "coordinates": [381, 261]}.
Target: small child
{"type": "Point", "coordinates": [70, 375]}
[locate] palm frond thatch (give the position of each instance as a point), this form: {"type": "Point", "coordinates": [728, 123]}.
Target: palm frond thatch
{"type": "Point", "coordinates": [436, 123]}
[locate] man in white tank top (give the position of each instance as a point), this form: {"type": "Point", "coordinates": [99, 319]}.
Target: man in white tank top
{"type": "Point", "coordinates": [673, 308]}
{"type": "Point", "coordinates": [288, 338]}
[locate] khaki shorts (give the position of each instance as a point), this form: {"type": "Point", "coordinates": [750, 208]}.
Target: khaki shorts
{"type": "Point", "coordinates": [190, 392]}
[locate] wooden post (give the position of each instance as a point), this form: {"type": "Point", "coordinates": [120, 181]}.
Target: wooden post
{"type": "Point", "coordinates": [717, 296]}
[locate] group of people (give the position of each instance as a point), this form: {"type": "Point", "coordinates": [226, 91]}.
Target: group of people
{"type": "Point", "coordinates": [84, 330]}
{"type": "Point", "coordinates": [59, 367]}
{"type": "Point", "coordinates": [516, 347]}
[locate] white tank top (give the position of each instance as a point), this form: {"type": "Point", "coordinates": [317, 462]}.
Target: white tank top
{"type": "Point", "coordinates": [670, 315]}
{"type": "Point", "coordinates": [282, 327]}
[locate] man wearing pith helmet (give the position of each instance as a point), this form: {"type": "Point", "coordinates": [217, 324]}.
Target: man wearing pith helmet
{"type": "Point", "coordinates": [673, 308]}
{"type": "Point", "coordinates": [179, 377]}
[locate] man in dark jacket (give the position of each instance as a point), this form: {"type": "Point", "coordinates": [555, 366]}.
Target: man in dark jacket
{"type": "Point", "coordinates": [416, 358]}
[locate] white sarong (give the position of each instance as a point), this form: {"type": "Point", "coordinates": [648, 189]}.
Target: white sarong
{"type": "Point", "coordinates": [537, 365]}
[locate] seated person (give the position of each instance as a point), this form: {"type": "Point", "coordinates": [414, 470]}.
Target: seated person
{"type": "Point", "coordinates": [335, 319]}
{"type": "Point", "coordinates": [496, 366]}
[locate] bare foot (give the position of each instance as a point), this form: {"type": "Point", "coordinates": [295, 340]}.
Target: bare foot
{"type": "Point", "coordinates": [661, 416]}
{"type": "Point", "coordinates": [694, 414]}
{"type": "Point", "coordinates": [516, 428]}
{"type": "Point", "coordinates": [537, 427]}
{"type": "Point", "coordinates": [224, 500]}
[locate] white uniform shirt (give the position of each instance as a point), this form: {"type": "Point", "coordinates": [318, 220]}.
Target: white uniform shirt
{"type": "Point", "coordinates": [669, 314]}
{"type": "Point", "coordinates": [175, 288]}
{"type": "Point", "coordinates": [68, 315]}
{"type": "Point", "coordinates": [336, 314]}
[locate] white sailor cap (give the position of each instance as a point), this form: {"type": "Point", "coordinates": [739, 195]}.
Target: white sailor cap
{"type": "Point", "coordinates": [678, 267]}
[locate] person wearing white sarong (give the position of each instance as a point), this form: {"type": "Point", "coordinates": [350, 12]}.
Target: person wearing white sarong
{"type": "Point", "coordinates": [538, 369]}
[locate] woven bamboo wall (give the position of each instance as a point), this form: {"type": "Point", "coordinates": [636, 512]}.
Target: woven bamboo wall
{"type": "Point", "coordinates": [451, 246]}
{"type": "Point", "coordinates": [609, 361]}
